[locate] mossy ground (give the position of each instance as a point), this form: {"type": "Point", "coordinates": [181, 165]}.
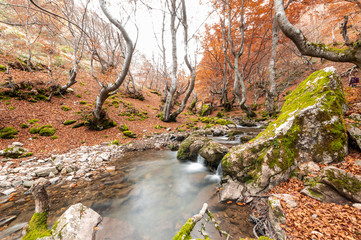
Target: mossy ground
{"type": "Point", "coordinates": [37, 227]}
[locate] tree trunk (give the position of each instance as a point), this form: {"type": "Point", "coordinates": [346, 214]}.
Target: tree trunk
{"type": "Point", "coordinates": [271, 94]}
{"type": "Point", "coordinates": [40, 195]}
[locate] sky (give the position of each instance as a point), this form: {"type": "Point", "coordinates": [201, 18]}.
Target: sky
{"type": "Point", "coordinates": [149, 23]}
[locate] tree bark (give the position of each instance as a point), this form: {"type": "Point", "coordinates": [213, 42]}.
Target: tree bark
{"type": "Point", "coordinates": [350, 54]}
{"type": "Point", "coordinates": [40, 195]}
{"type": "Point", "coordinates": [105, 90]}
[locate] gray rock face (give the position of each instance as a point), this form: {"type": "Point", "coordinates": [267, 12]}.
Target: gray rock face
{"type": "Point", "coordinates": [334, 185]}
{"type": "Point", "coordinates": [309, 128]}
{"type": "Point", "coordinates": [276, 217]}
{"type": "Point", "coordinates": [77, 223]}
{"type": "Point", "coordinates": [355, 134]}
{"type": "Point", "coordinates": [231, 191]}
{"type": "Point", "coordinates": [213, 152]}
{"type": "Point", "coordinates": [45, 171]}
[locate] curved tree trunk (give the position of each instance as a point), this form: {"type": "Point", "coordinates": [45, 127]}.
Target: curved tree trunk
{"type": "Point", "coordinates": [350, 54]}
{"type": "Point", "coordinates": [105, 90]}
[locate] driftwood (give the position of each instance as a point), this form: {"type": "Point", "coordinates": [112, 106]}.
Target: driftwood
{"type": "Point", "coordinates": [187, 228]}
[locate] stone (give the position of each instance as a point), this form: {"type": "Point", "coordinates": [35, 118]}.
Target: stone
{"type": "Point", "coordinates": [13, 152]}
{"type": "Point", "coordinates": [345, 183]}
{"type": "Point", "coordinates": [78, 222]}
{"type": "Point", "coordinates": [59, 166]}
{"type": "Point", "coordinates": [309, 167]}
{"type": "Point", "coordinates": [357, 205]}
{"type": "Point", "coordinates": [51, 175]}
{"type": "Point", "coordinates": [213, 153]}
{"type": "Point", "coordinates": [217, 132]}
{"type": "Point", "coordinates": [276, 217]}
{"type": "Point", "coordinates": [4, 184]}
{"type": "Point", "coordinates": [105, 156]}
{"type": "Point", "coordinates": [110, 169]}
{"type": "Point", "coordinates": [45, 171]}
{"type": "Point", "coordinates": [357, 163]}
{"type": "Point", "coordinates": [9, 191]}
{"type": "Point", "coordinates": [189, 148]}
{"type": "Point", "coordinates": [289, 199]}
{"type": "Point", "coordinates": [310, 127]}
{"type": "Point", "coordinates": [354, 133]}
{"type": "Point", "coordinates": [111, 228]}
{"type": "Point", "coordinates": [355, 116]}
{"type": "Point", "coordinates": [232, 190]}
{"type": "Point", "coordinates": [54, 180]}
{"type": "Point", "coordinates": [324, 193]}
{"type": "Point", "coordinates": [7, 220]}
{"type": "Point", "coordinates": [17, 144]}
{"type": "Point", "coordinates": [28, 184]}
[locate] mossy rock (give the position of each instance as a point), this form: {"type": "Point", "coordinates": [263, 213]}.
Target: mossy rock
{"type": "Point", "coordinates": [24, 125]}
{"type": "Point", "coordinates": [310, 127]}
{"type": "Point", "coordinates": [129, 134]}
{"type": "Point", "coordinates": [37, 227]}
{"type": "Point", "coordinates": [189, 148]}
{"type": "Point", "coordinates": [8, 132]}
{"type": "Point", "coordinates": [69, 122]}
{"type": "Point", "coordinates": [205, 111]}
{"type": "Point", "coordinates": [78, 125]}
{"type": "Point", "coordinates": [3, 68]}
{"type": "Point", "coordinates": [123, 128]}
{"type": "Point", "coordinates": [46, 130]}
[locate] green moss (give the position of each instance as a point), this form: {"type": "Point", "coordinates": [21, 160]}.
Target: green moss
{"type": "Point", "coordinates": [32, 121]}
{"type": "Point", "coordinates": [3, 68]}
{"type": "Point", "coordinates": [37, 227]}
{"type": "Point", "coordinates": [24, 125]}
{"type": "Point", "coordinates": [78, 95]}
{"type": "Point", "coordinates": [123, 128]}
{"type": "Point", "coordinates": [28, 154]}
{"type": "Point", "coordinates": [185, 232]}
{"type": "Point", "coordinates": [206, 110]}
{"type": "Point", "coordinates": [69, 122]}
{"type": "Point", "coordinates": [352, 185]}
{"type": "Point", "coordinates": [115, 142]}
{"type": "Point", "coordinates": [65, 108]}
{"type": "Point", "coordinates": [78, 125]}
{"type": "Point", "coordinates": [83, 102]}
{"type": "Point", "coordinates": [54, 137]}
{"type": "Point", "coordinates": [11, 108]}
{"type": "Point", "coordinates": [159, 127]}
{"type": "Point", "coordinates": [130, 134]}
{"type": "Point", "coordinates": [8, 132]}
{"type": "Point", "coordinates": [47, 131]}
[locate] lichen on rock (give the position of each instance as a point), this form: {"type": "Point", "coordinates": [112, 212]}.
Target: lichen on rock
{"type": "Point", "coordinates": [189, 148]}
{"type": "Point", "coordinates": [309, 128]}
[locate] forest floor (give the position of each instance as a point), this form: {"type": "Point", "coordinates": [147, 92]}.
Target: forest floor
{"type": "Point", "coordinates": [333, 222]}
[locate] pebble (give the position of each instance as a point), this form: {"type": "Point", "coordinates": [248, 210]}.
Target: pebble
{"type": "Point", "coordinates": [28, 184]}
{"type": "Point", "coordinates": [357, 205]}
{"type": "Point", "coordinates": [314, 216]}
{"type": "Point", "coordinates": [110, 169]}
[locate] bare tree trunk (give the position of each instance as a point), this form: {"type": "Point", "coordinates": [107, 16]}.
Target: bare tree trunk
{"type": "Point", "coordinates": [105, 90]}
{"type": "Point", "coordinates": [271, 94]}
{"type": "Point", "coordinates": [173, 87]}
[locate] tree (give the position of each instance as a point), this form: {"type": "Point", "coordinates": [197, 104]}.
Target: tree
{"type": "Point", "coordinates": [105, 90]}
{"type": "Point", "coordinates": [350, 53]}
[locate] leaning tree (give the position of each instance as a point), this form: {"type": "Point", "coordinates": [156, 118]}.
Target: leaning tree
{"type": "Point", "coordinates": [350, 53]}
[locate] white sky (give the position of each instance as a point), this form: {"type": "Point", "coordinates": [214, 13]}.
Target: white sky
{"type": "Point", "coordinates": [149, 23]}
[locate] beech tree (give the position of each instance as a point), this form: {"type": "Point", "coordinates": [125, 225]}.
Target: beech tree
{"type": "Point", "coordinates": [350, 53]}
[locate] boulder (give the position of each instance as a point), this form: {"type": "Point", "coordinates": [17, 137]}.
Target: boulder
{"type": "Point", "coordinates": [309, 128]}
{"type": "Point", "coordinates": [346, 184]}
{"type": "Point", "coordinates": [213, 153]}
{"type": "Point", "coordinates": [324, 193]}
{"type": "Point", "coordinates": [77, 223]}
{"type": "Point", "coordinates": [276, 218]}
{"type": "Point", "coordinates": [45, 171]}
{"type": "Point", "coordinates": [189, 148]}
{"type": "Point", "coordinates": [354, 133]}
{"type": "Point", "coordinates": [232, 191]}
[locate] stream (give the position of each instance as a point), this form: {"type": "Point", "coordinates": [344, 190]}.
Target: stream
{"type": "Point", "coordinates": [150, 195]}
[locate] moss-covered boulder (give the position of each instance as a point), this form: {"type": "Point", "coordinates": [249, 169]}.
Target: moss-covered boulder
{"type": "Point", "coordinates": [213, 153]}
{"type": "Point", "coordinates": [310, 127]}
{"type": "Point", "coordinates": [189, 148]}
{"type": "Point", "coordinates": [8, 132]}
{"type": "Point", "coordinates": [46, 130]}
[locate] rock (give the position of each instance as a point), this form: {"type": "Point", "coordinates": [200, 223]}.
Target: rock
{"type": "Point", "coordinates": [189, 148]}
{"type": "Point", "coordinates": [309, 128]}
{"type": "Point", "coordinates": [357, 163]}
{"type": "Point", "coordinates": [276, 217]}
{"type": "Point", "coordinates": [54, 180]}
{"type": "Point", "coordinates": [28, 184]}
{"type": "Point", "coordinates": [51, 175]}
{"type": "Point", "coordinates": [289, 199]}
{"type": "Point", "coordinates": [9, 191]}
{"type": "Point", "coordinates": [59, 166]}
{"type": "Point", "coordinates": [213, 152]}
{"type": "Point", "coordinates": [7, 220]}
{"type": "Point", "coordinates": [346, 184]}
{"type": "Point", "coordinates": [232, 190]}
{"type": "Point", "coordinates": [4, 184]}
{"type": "Point", "coordinates": [45, 171]}
{"type": "Point", "coordinates": [246, 138]}
{"type": "Point", "coordinates": [110, 169]}
{"type": "Point", "coordinates": [17, 144]}
{"type": "Point", "coordinates": [354, 133]}
{"type": "Point", "coordinates": [357, 205]}
{"type": "Point", "coordinates": [111, 228]}
{"type": "Point", "coordinates": [217, 132]}
{"type": "Point", "coordinates": [324, 193]}
{"type": "Point", "coordinates": [309, 167]}
{"type": "Point", "coordinates": [13, 152]}
{"type": "Point", "coordinates": [77, 223]}
{"type": "Point", "coordinates": [355, 116]}
{"type": "Point", "coordinates": [105, 156]}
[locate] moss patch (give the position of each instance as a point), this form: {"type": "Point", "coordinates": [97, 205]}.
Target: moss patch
{"type": "Point", "coordinates": [130, 134]}
{"type": "Point", "coordinates": [37, 227]}
{"type": "Point", "coordinates": [8, 132]}
{"type": "Point", "coordinates": [69, 122]}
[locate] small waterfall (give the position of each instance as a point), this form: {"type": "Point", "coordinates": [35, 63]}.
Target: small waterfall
{"type": "Point", "coordinates": [217, 176]}
{"type": "Point", "coordinates": [198, 166]}
{"type": "Point", "coordinates": [219, 171]}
